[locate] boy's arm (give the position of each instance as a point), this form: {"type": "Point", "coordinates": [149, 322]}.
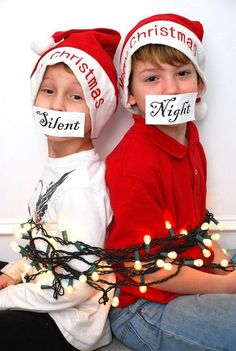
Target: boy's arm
{"type": "Point", "coordinates": [193, 281]}
{"type": "Point", "coordinates": [14, 270]}
{"type": "Point", "coordinates": [5, 281]}
{"type": "Point", "coordinates": [31, 298]}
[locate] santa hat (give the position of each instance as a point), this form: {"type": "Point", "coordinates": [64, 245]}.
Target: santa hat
{"type": "Point", "coordinates": [167, 29]}
{"type": "Point", "coordinates": [89, 53]}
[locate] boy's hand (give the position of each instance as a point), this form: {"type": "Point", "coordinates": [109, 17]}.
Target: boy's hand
{"type": "Point", "coordinates": [5, 281]}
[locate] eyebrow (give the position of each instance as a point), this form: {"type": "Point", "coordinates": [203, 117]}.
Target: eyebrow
{"type": "Point", "coordinates": [150, 70]}
{"type": "Point", "coordinates": [157, 69]}
{"type": "Point", "coordinates": [76, 82]}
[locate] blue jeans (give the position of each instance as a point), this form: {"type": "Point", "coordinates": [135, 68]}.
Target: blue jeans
{"type": "Point", "coordinates": [187, 323]}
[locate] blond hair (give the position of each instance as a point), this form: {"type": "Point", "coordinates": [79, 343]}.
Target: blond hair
{"type": "Point", "coordinates": [157, 54]}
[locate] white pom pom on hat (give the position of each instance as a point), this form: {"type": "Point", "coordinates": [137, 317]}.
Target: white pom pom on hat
{"type": "Point", "coordinates": [200, 109]}
{"type": "Point", "coordinates": [42, 45]}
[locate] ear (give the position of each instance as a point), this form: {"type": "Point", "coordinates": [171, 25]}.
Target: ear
{"type": "Point", "coordinates": [131, 99]}
{"type": "Point", "coordinates": [201, 86]}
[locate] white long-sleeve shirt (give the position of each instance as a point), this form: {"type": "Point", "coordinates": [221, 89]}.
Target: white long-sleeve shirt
{"type": "Point", "coordinates": [71, 195]}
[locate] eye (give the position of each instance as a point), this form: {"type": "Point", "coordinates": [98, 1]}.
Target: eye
{"type": "Point", "coordinates": [76, 97]}
{"type": "Point", "coordinates": [47, 90]}
{"type": "Point", "coordinates": [151, 79]}
{"type": "Point", "coordinates": [184, 73]}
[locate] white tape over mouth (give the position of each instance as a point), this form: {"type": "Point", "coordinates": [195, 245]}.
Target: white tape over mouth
{"type": "Point", "coordinates": [170, 109]}
{"type": "Point", "coordinates": [59, 123]}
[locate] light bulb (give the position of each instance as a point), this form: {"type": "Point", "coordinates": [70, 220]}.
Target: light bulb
{"type": "Point", "coordinates": [27, 267]}
{"type": "Point", "coordinates": [184, 232]}
{"type": "Point", "coordinates": [82, 278]}
{"type": "Point", "coordinates": [27, 226]}
{"type": "Point", "coordinates": [137, 265]}
{"type": "Point", "coordinates": [147, 239]}
{"type": "Point", "coordinates": [215, 236]}
{"type": "Point", "coordinates": [17, 235]}
{"type": "Point", "coordinates": [198, 262]}
{"type": "Point", "coordinates": [160, 263]}
{"type": "Point", "coordinates": [207, 242]}
{"type": "Point", "coordinates": [172, 255]}
{"type": "Point", "coordinates": [143, 288]}
{"type": "Point", "coordinates": [206, 253]}
{"type": "Point", "coordinates": [220, 226]}
{"type": "Point", "coordinates": [224, 262]}
{"type": "Point", "coordinates": [15, 247]}
{"type": "Point", "coordinates": [169, 228]}
{"type": "Point", "coordinates": [168, 225]}
{"type": "Point", "coordinates": [70, 289]}
{"type": "Point", "coordinates": [16, 228]}
{"type": "Point", "coordinates": [168, 266]}
{"type": "Point", "coordinates": [95, 276]}
{"type": "Point", "coordinates": [115, 301]}
{"type": "Point", "coordinates": [205, 226]}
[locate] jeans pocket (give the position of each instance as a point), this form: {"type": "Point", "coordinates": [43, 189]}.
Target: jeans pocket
{"type": "Point", "coordinates": [134, 328]}
{"type": "Point", "coordinates": [118, 319]}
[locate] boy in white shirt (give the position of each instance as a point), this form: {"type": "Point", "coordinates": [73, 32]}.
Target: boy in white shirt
{"type": "Point", "coordinates": [74, 93]}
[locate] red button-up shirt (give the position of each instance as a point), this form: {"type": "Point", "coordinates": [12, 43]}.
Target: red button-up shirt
{"type": "Point", "coordinates": [152, 179]}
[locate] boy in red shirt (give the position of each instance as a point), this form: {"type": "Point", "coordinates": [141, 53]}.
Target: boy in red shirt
{"type": "Point", "coordinates": [157, 177]}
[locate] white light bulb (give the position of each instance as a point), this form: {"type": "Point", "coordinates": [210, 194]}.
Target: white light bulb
{"type": "Point", "coordinates": [207, 242]}
{"type": "Point", "coordinates": [224, 262]}
{"type": "Point", "coordinates": [27, 226]}
{"type": "Point", "coordinates": [220, 226]}
{"type": "Point", "coordinates": [160, 263]}
{"type": "Point", "coordinates": [168, 266]}
{"type": "Point", "coordinates": [147, 239]}
{"type": "Point", "coordinates": [17, 236]}
{"type": "Point", "coordinates": [15, 247]}
{"type": "Point", "coordinates": [27, 267]}
{"type": "Point", "coordinates": [206, 253]}
{"type": "Point", "coordinates": [205, 226]}
{"type": "Point", "coordinates": [172, 255]}
{"type": "Point", "coordinates": [95, 276]}
{"type": "Point", "coordinates": [143, 288]}
{"type": "Point", "coordinates": [137, 265]}
{"type": "Point", "coordinates": [69, 289]}
{"type": "Point", "coordinates": [168, 225]}
{"type": "Point", "coordinates": [16, 228]}
{"type": "Point", "coordinates": [82, 278]}
{"type": "Point", "coordinates": [215, 236]}
{"type": "Point", "coordinates": [198, 262]}
{"type": "Point", "coordinates": [115, 301]}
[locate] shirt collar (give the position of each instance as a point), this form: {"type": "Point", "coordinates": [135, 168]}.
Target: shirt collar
{"type": "Point", "coordinates": [162, 140]}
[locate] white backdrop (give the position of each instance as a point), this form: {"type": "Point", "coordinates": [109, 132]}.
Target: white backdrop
{"type": "Point", "coordinates": [23, 151]}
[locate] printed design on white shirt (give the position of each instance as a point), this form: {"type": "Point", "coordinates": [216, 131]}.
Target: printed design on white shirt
{"type": "Point", "coordinates": [42, 202]}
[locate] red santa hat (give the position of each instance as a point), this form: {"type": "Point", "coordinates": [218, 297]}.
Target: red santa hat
{"type": "Point", "coordinates": [89, 53]}
{"type": "Point", "coordinates": [166, 29]}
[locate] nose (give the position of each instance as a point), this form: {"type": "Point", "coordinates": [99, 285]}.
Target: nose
{"type": "Point", "coordinates": [57, 103]}
{"type": "Point", "coordinates": [170, 86]}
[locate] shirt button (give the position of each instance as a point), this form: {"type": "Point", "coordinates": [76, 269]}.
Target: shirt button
{"type": "Point", "coordinates": [196, 171]}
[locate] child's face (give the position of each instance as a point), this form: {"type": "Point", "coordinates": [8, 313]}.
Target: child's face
{"type": "Point", "coordinates": [61, 91]}
{"type": "Point", "coordinates": [148, 79]}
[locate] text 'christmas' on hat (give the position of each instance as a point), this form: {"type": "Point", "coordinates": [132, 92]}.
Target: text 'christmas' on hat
{"type": "Point", "coordinates": [166, 29]}
{"type": "Point", "coordinates": [89, 53]}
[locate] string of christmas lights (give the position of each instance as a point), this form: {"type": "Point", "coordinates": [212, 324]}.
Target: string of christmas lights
{"type": "Point", "coordinates": [148, 257]}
